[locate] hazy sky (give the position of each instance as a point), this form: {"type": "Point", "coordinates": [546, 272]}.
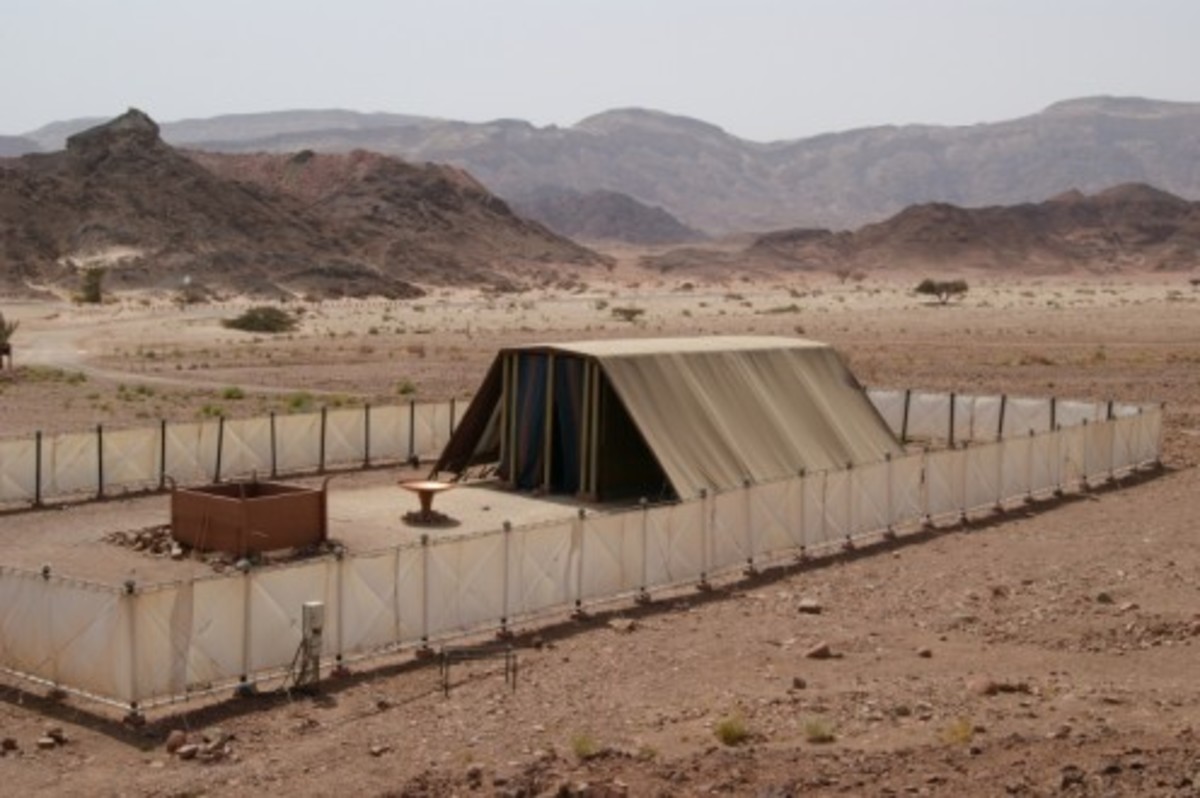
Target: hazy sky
{"type": "Point", "coordinates": [761, 69]}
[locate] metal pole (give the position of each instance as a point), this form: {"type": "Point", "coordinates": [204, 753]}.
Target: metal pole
{"type": "Point", "coordinates": [162, 454]}
{"type": "Point", "coordinates": [952, 403]}
{"type": "Point", "coordinates": [412, 429]}
{"type": "Point", "coordinates": [1000, 426]}
{"type": "Point", "coordinates": [904, 422]}
{"type": "Point", "coordinates": [321, 455]}
{"type": "Point", "coordinates": [1053, 413]}
{"type": "Point", "coordinates": [220, 447]}
{"type": "Point", "coordinates": [274, 458]}
{"type": "Point", "coordinates": [99, 461]}
{"type": "Point", "coordinates": [367, 435]}
{"type": "Point", "coordinates": [37, 469]}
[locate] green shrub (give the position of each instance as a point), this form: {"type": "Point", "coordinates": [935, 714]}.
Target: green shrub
{"type": "Point", "coordinates": [263, 319]}
{"type": "Point", "coordinates": [944, 290]}
{"type": "Point", "coordinates": [818, 730]}
{"type": "Point", "coordinates": [731, 730]}
{"type": "Point", "coordinates": [233, 393]}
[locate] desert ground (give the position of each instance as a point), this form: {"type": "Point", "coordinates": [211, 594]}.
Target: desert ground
{"type": "Point", "coordinates": [1054, 651]}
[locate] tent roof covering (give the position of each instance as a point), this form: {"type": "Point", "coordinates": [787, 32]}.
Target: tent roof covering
{"type": "Point", "coordinates": [717, 411]}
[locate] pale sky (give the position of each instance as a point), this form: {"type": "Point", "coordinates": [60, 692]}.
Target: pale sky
{"type": "Point", "coordinates": [760, 69]}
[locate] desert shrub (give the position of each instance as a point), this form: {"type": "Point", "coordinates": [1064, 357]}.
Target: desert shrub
{"type": "Point", "coordinates": [960, 732]}
{"type": "Point", "coordinates": [731, 730]}
{"type": "Point", "coordinates": [264, 319]}
{"type": "Point", "coordinates": [233, 393]}
{"type": "Point", "coordinates": [91, 289]}
{"type": "Point", "coordinates": [7, 328]}
{"type": "Point", "coordinates": [406, 388]}
{"type": "Point", "coordinates": [944, 290]}
{"type": "Point", "coordinates": [629, 314]}
{"type": "Point", "coordinates": [818, 730]}
{"type": "Point", "coordinates": [584, 746]}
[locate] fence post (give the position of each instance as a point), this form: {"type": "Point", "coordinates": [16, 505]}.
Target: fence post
{"type": "Point", "coordinates": [37, 469]}
{"type": "Point", "coordinates": [1029, 468]}
{"type": "Point", "coordinates": [321, 455]}
{"type": "Point", "coordinates": [504, 594]}
{"type": "Point", "coordinates": [129, 596]}
{"type": "Point", "coordinates": [577, 531]}
{"type": "Point", "coordinates": [952, 403]}
{"type": "Point", "coordinates": [412, 429]}
{"type": "Point", "coordinates": [220, 447]}
{"type": "Point", "coordinates": [643, 595]}
{"type": "Point", "coordinates": [425, 591]}
{"type": "Point", "coordinates": [1053, 413]}
{"type": "Point", "coordinates": [452, 416]}
{"type": "Point", "coordinates": [162, 454]}
{"type": "Point", "coordinates": [750, 569]}
{"type": "Point", "coordinates": [99, 461]}
{"type": "Point", "coordinates": [904, 422]}
{"type": "Point", "coordinates": [889, 531]}
{"type": "Point", "coordinates": [274, 457]}
{"type": "Point", "coordinates": [704, 538]}
{"type": "Point", "coordinates": [246, 631]}
{"type": "Point", "coordinates": [367, 435]}
{"type": "Point", "coordinates": [1003, 407]}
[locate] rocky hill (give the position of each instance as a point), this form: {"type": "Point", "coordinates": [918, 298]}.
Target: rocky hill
{"type": "Point", "coordinates": [713, 181]}
{"type": "Point", "coordinates": [328, 225]}
{"type": "Point", "coordinates": [603, 216]}
{"type": "Point", "coordinates": [1128, 228]}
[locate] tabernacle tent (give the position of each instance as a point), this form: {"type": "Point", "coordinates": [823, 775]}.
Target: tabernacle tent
{"type": "Point", "coordinates": [666, 417]}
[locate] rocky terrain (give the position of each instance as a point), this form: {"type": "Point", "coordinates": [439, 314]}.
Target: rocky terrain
{"type": "Point", "coordinates": [603, 216]}
{"type": "Point", "coordinates": [1128, 228]}
{"type": "Point", "coordinates": [719, 183]}
{"type": "Point", "coordinates": [120, 198]}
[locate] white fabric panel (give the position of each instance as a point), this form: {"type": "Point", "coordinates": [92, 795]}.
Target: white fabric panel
{"type": "Point", "coordinates": [439, 414]}
{"type": "Point", "coordinates": [18, 461]}
{"type": "Point", "coordinates": [389, 432]}
{"type": "Point", "coordinates": [1016, 469]}
{"type": "Point", "coordinates": [345, 436]}
{"type": "Point", "coordinates": [838, 505]}
{"type": "Point", "coordinates": [730, 544]}
{"type": "Point", "coordinates": [1149, 436]}
{"type": "Point", "coordinates": [964, 418]}
{"type": "Point", "coordinates": [612, 556]}
{"type": "Point", "coordinates": [982, 475]}
{"type": "Point", "coordinates": [1022, 415]}
{"type": "Point", "coordinates": [985, 419]}
{"type": "Point", "coordinates": [163, 622]}
{"type": "Point", "coordinates": [1046, 465]}
{"type": "Point", "coordinates": [246, 449]}
{"type": "Point", "coordinates": [217, 621]}
{"type": "Point", "coordinates": [944, 482]}
{"type": "Point", "coordinates": [813, 509]}
{"type": "Point", "coordinates": [368, 602]}
{"type": "Point", "coordinates": [1098, 451]}
{"type": "Point", "coordinates": [870, 506]}
{"type": "Point", "coordinates": [906, 488]}
{"type": "Point", "coordinates": [276, 599]}
{"type": "Point", "coordinates": [26, 625]}
{"type": "Point", "coordinates": [1070, 413]}
{"type": "Point", "coordinates": [1123, 410]}
{"type": "Point", "coordinates": [131, 458]}
{"type": "Point", "coordinates": [773, 528]}
{"type": "Point", "coordinates": [928, 416]}
{"type": "Point", "coordinates": [674, 544]}
{"type": "Point", "coordinates": [426, 431]}
{"type": "Point", "coordinates": [466, 583]}
{"type": "Point", "coordinates": [542, 563]}
{"type": "Point", "coordinates": [1071, 454]}
{"type": "Point", "coordinates": [89, 639]}
{"type": "Point", "coordinates": [297, 442]}
{"type": "Point", "coordinates": [70, 464]}
{"type": "Point", "coordinates": [890, 405]}
{"type": "Point", "coordinates": [1123, 443]}
{"type": "Point", "coordinates": [410, 592]}
{"type": "Point", "coordinates": [191, 452]}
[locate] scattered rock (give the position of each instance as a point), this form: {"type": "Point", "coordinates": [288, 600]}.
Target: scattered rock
{"type": "Point", "coordinates": [982, 685]}
{"type": "Point", "coordinates": [56, 734]}
{"type": "Point", "coordinates": [799, 683]}
{"type": "Point", "coordinates": [46, 743]}
{"type": "Point", "coordinates": [1071, 776]}
{"type": "Point", "coordinates": [8, 744]}
{"type": "Point", "coordinates": [1128, 606]}
{"type": "Point", "coordinates": [810, 606]}
{"type": "Point", "coordinates": [925, 652]}
{"type": "Point", "coordinates": [380, 750]}
{"type": "Point", "coordinates": [176, 740]}
{"type": "Point", "coordinates": [623, 625]}
{"type": "Point", "coordinates": [475, 774]}
{"type": "Point", "coordinates": [187, 751]}
{"type": "Point", "coordinates": [819, 651]}
{"type": "Point", "coordinates": [1104, 597]}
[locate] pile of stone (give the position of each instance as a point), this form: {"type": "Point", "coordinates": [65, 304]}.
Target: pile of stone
{"type": "Point", "coordinates": [153, 540]}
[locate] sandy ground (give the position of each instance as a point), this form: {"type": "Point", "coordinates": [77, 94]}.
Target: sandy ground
{"type": "Point", "coordinates": [1053, 652]}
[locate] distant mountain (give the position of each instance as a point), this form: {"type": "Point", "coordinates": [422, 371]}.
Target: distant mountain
{"type": "Point", "coordinates": [719, 183]}
{"type": "Point", "coordinates": [361, 224]}
{"type": "Point", "coordinates": [603, 216]}
{"type": "Point", "coordinates": [12, 146]}
{"type": "Point", "coordinates": [1129, 228]}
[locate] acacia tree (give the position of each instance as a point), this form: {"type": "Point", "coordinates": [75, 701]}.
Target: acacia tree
{"type": "Point", "coordinates": [944, 290]}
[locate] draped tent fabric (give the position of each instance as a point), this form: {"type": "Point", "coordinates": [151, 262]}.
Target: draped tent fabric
{"type": "Point", "coordinates": [714, 412]}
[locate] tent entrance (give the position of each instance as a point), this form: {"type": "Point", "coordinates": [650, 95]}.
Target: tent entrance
{"type": "Point", "coordinates": [565, 430]}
